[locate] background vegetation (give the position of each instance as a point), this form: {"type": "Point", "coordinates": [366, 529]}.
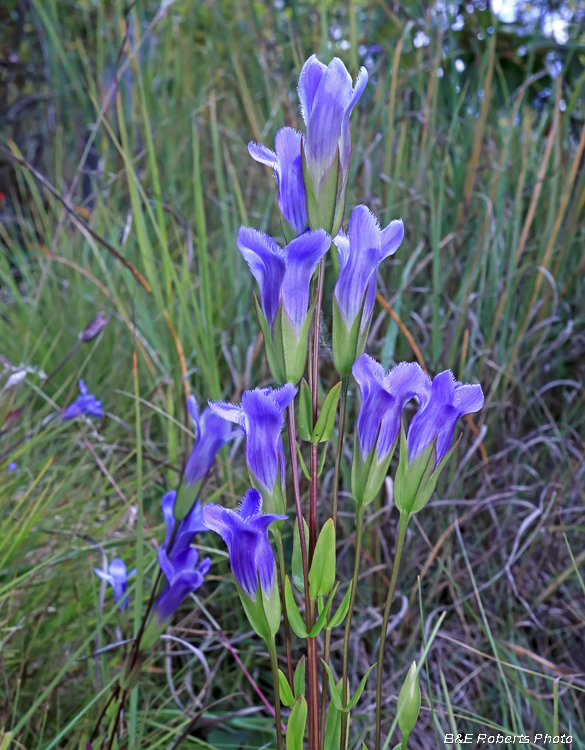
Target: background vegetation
{"type": "Point", "coordinates": [471, 130]}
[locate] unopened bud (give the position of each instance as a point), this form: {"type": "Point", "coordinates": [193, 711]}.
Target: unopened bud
{"type": "Point", "coordinates": [96, 325]}
{"type": "Point", "coordinates": [409, 701]}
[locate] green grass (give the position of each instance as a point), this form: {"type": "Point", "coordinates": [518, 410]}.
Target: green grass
{"type": "Point", "coordinates": [484, 284]}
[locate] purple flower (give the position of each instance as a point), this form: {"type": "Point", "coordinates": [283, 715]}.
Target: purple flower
{"type": "Point", "coordinates": [360, 253]}
{"type": "Point", "coordinates": [183, 576]}
{"type": "Point", "coordinates": [287, 166]}
{"type": "Point", "coordinates": [84, 404]}
{"type": "Point", "coordinates": [191, 525]}
{"type": "Point", "coordinates": [117, 577]}
{"type": "Point", "coordinates": [327, 99]}
{"type": "Point", "coordinates": [211, 434]}
{"type": "Point", "coordinates": [384, 396]}
{"type": "Point", "coordinates": [13, 467]}
{"type": "Point", "coordinates": [283, 275]}
{"type": "Point", "coordinates": [448, 401]}
{"type": "Point", "coordinates": [246, 534]}
{"type": "Point", "coordinates": [261, 416]}
{"type": "Point", "coordinates": [95, 326]}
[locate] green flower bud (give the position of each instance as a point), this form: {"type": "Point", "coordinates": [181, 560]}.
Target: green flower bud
{"type": "Point", "coordinates": [409, 701]}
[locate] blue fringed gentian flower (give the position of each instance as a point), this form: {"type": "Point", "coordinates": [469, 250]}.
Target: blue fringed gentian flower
{"type": "Point", "coordinates": [86, 403]}
{"type": "Point", "coordinates": [261, 416]}
{"type": "Point", "coordinates": [384, 396]}
{"type": "Point", "coordinates": [251, 557]}
{"type": "Point", "coordinates": [183, 576]}
{"type": "Point", "coordinates": [427, 447]}
{"type": "Point", "coordinates": [287, 166]}
{"type": "Point", "coordinates": [117, 577]}
{"type": "Point", "coordinates": [284, 277]}
{"type": "Point", "coordinates": [360, 253]}
{"type": "Point", "coordinates": [327, 99]}
{"type": "Point", "coordinates": [191, 525]}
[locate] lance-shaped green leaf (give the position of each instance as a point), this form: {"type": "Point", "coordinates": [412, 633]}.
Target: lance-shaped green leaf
{"type": "Point", "coordinates": [333, 726]}
{"type": "Point", "coordinates": [322, 619]}
{"type": "Point", "coordinates": [297, 558]}
{"type": "Point", "coordinates": [339, 616]}
{"type": "Point", "coordinates": [324, 427]}
{"type": "Point", "coordinates": [292, 611]}
{"type": "Point", "coordinates": [302, 464]}
{"type": "Point", "coordinates": [286, 695]}
{"type": "Point", "coordinates": [322, 573]}
{"type": "Point", "coordinates": [305, 411]}
{"type": "Point", "coordinates": [299, 678]}
{"type": "Point", "coordinates": [295, 729]}
{"type": "Point", "coordinates": [336, 697]}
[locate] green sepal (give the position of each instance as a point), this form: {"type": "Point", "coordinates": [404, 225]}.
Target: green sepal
{"type": "Point", "coordinates": [295, 728]}
{"type": "Point", "coordinates": [130, 673]}
{"type": "Point", "coordinates": [367, 477]}
{"type": "Point", "coordinates": [151, 632]}
{"type": "Point", "coordinates": [333, 726]}
{"type": "Point", "coordinates": [322, 572]}
{"type": "Point", "coordinates": [322, 619]}
{"type": "Point", "coordinates": [286, 695]}
{"type": "Point", "coordinates": [344, 341]}
{"type": "Point", "coordinates": [302, 463]}
{"type": "Point", "coordinates": [415, 482]}
{"type": "Point", "coordinates": [295, 346]}
{"type": "Point", "coordinates": [264, 612]}
{"type": "Point", "coordinates": [273, 343]}
{"type": "Point", "coordinates": [342, 180]}
{"type": "Point", "coordinates": [326, 422]}
{"type": "Point", "coordinates": [272, 502]}
{"type": "Point", "coordinates": [305, 411]}
{"type": "Point", "coordinates": [341, 612]}
{"type": "Point", "coordinates": [321, 198]}
{"type": "Point", "coordinates": [297, 559]}
{"type": "Point", "coordinates": [186, 497]}
{"type": "Point", "coordinates": [292, 611]}
{"type": "Point", "coordinates": [408, 706]}
{"type": "Point", "coordinates": [290, 233]}
{"type": "Point", "coordinates": [299, 678]}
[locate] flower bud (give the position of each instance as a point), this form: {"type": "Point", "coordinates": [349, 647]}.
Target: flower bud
{"type": "Point", "coordinates": [95, 326]}
{"type": "Point", "coordinates": [409, 701]}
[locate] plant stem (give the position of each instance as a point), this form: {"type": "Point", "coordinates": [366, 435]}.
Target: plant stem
{"type": "Point", "coordinates": [274, 664]}
{"type": "Point", "coordinates": [311, 643]}
{"type": "Point", "coordinates": [339, 452]}
{"type": "Point", "coordinates": [359, 525]}
{"type": "Point", "coordinates": [404, 519]}
{"type": "Point", "coordinates": [278, 537]}
{"type": "Point", "coordinates": [314, 396]}
{"type": "Point", "coordinates": [325, 684]}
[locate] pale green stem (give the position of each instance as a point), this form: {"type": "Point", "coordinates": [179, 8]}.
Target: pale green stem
{"type": "Point", "coordinates": [270, 644]}
{"type": "Point", "coordinates": [359, 524]}
{"type": "Point", "coordinates": [404, 519]}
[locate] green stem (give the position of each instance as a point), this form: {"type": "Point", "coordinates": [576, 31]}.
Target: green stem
{"type": "Point", "coordinates": [404, 740]}
{"type": "Point", "coordinates": [274, 664]}
{"type": "Point", "coordinates": [404, 519]}
{"type": "Point", "coordinates": [278, 537]}
{"type": "Point", "coordinates": [339, 452]}
{"type": "Point", "coordinates": [359, 525]}
{"type": "Point", "coordinates": [324, 693]}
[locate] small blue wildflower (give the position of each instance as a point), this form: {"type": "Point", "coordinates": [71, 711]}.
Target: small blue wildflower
{"type": "Point", "coordinates": [117, 577]}
{"type": "Point", "coordinates": [86, 403]}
